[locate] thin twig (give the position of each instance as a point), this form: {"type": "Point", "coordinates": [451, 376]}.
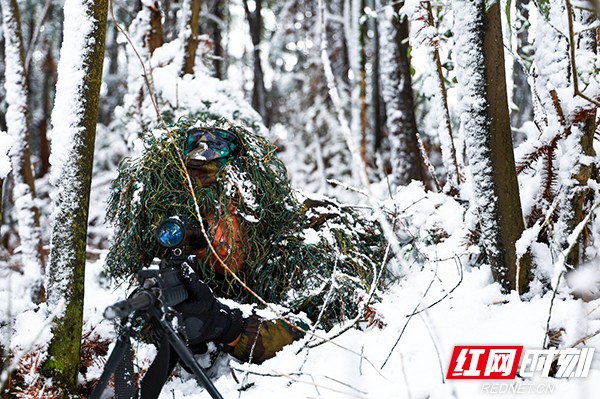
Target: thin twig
{"type": "Point", "coordinates": [414, 312]}
{"type": "Point", "coordinates": [291, 377]}
{"type": "Point", "coordinates": [427, 162]}
{"type": "Point", "coordinates": [572, 57]}
{"type": "Point", "coordinates": [593, 310]}
{"type": "Point", "coordinates": [447, 293]}
{"type": "Point", "coordinates": [36, 35]}
{"type": "Point", "coordinates": [405, 377]}
{"type": "Point", "coordinates": [574, 236]}
{"type": "Point", "coordinates": [329, 294]}
{"type": "Point", "coordinates": [143, 65]}
{"type": "Point", "coordinates": [433, 341]}
{"type": "Point", "coordinates": [582, 340]}
{"type": "Point", "coordinates": [551, 306]}
{"type": "Point", "coordinates": [362, 349]}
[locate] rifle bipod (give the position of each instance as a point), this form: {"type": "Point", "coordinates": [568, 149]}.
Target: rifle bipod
{"type": "Point", "coordinates": [172, 349]}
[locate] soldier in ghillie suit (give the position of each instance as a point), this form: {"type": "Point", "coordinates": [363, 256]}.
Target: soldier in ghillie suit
{"type": "Point", "coordinates": [311, 256]}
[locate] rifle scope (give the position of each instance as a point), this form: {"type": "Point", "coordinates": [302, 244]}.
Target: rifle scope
{"type": "Point", "coordinates": [177, 232]}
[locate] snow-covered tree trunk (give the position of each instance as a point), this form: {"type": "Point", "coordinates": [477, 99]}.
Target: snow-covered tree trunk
{"type": "Point", "coordinates": [216, 24]}
{"type": "Point", "coordinates": [398, 96]}
{"type": "Point", "coordinates": [338, 48]}
{"type": "Point", "coordinates": [5, 166]}
{"type": "Point", "coordinates": [74, 128]}
{"type": "Point", "coordinates": [551, 62]}
{"type": "Point", "coordinates": [49, 79]}
{"type": "Point", "coordinates": [146, 33]}
{"type": "Point", "coordinates": [259, 93]}
{"type": "Point", "coordinates": [364, 105]}
{"type": "Point", "coordinates": [377, 111]}
{"type": "Point", "coordinates": [356, 37]}
{"type": "Point", "coordinates": [521, 93]}
{"type": "Point", "coordinates": [486, 124]}
{"type": "Point", "coordinates": [577, 162]}
{"type": "Point", "coordinates": [426, 33]}
{"type": "Point", "coordinates": [578, 157]}
{"type": "Point", "coordinates": [190, 32]}
{"type": "Point", "coordinates": [17, 120]}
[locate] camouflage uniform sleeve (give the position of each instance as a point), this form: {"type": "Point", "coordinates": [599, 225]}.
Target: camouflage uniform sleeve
{"type": "Point", "coordinates": [261, 339]}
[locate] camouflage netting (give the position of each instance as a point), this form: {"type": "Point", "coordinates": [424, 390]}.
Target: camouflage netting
{"type": "Point", "coordinates": [306, 255]}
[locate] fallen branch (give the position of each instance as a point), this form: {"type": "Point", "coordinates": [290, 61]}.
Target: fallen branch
{"type": "Point", "coordinates": [292, 377]}
{"type": "Point", "coordinates": [582, 340]}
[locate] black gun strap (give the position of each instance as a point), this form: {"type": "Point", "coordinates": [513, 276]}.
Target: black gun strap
{"type": "Point", "coordinates": [159, 370]}
{"type": "Point", "coordinates": [124, 381]}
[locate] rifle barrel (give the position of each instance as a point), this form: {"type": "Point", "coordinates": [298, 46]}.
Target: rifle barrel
{"type": "Point", "coordinates": [142, 300]}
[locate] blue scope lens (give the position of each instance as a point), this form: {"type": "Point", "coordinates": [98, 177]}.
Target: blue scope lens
{"type": "Point", "coordinates": [171, 233]}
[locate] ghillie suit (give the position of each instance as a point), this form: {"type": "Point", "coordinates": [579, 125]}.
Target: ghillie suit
{"type": "Point", "coordinates": [315, 256]}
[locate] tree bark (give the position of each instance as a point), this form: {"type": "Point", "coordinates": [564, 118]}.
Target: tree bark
{"type": "Point", "coordinates": [338, 47]}
{"type": "Point", "coordinates": [397, 92]}
{"type": "Point", "coordinates": [364, 107]}
{"type": "Point", "coordinates": [74, 116]}
{"type": "Point", "coordinates": [18, 126]}
{"type": "Point", "coordinates": [579, 149]}
{"type": "Point", "coordinates": [521, 94]}
{"type": "Point", "coordinates": [259, 94]}
{"type": "Point", "coordinates": [575, 210]}
{"type": "Point", "coordinates": [440, 99]}
{"type": "Point", "coordinates": [215, 26]}
{"type": "Point", "coordinates": [191, 30]}
{"type": "Point", "coordinates": [49, 82]}
{"type": "Point", "coordinates": [485, 119]}
{"type": "Point", "coordinates": [378, 113]}
{"type": "Point", "coordinates": [155, 35]}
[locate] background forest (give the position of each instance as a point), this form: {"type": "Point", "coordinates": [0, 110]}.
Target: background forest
{"type": "Point", "coordinates": [465, 129]}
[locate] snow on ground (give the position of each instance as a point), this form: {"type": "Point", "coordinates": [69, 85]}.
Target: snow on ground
{"type": "Point", "coordinates": [474, 315]}
{"type": "Point", "coordinates": [350, 365]}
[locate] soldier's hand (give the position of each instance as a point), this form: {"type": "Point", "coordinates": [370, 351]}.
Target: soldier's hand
{"type": "Point", "coordinates": [204, 317]}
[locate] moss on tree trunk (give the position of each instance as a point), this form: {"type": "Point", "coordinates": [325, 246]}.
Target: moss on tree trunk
{"type": "Point", "coordinates": [68, 256]}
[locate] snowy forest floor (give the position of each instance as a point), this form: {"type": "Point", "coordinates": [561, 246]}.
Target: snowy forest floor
{"type": "Point", "coordinates": [440, 299]}
{"type": "Point", "coordinates": [476, 313]}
